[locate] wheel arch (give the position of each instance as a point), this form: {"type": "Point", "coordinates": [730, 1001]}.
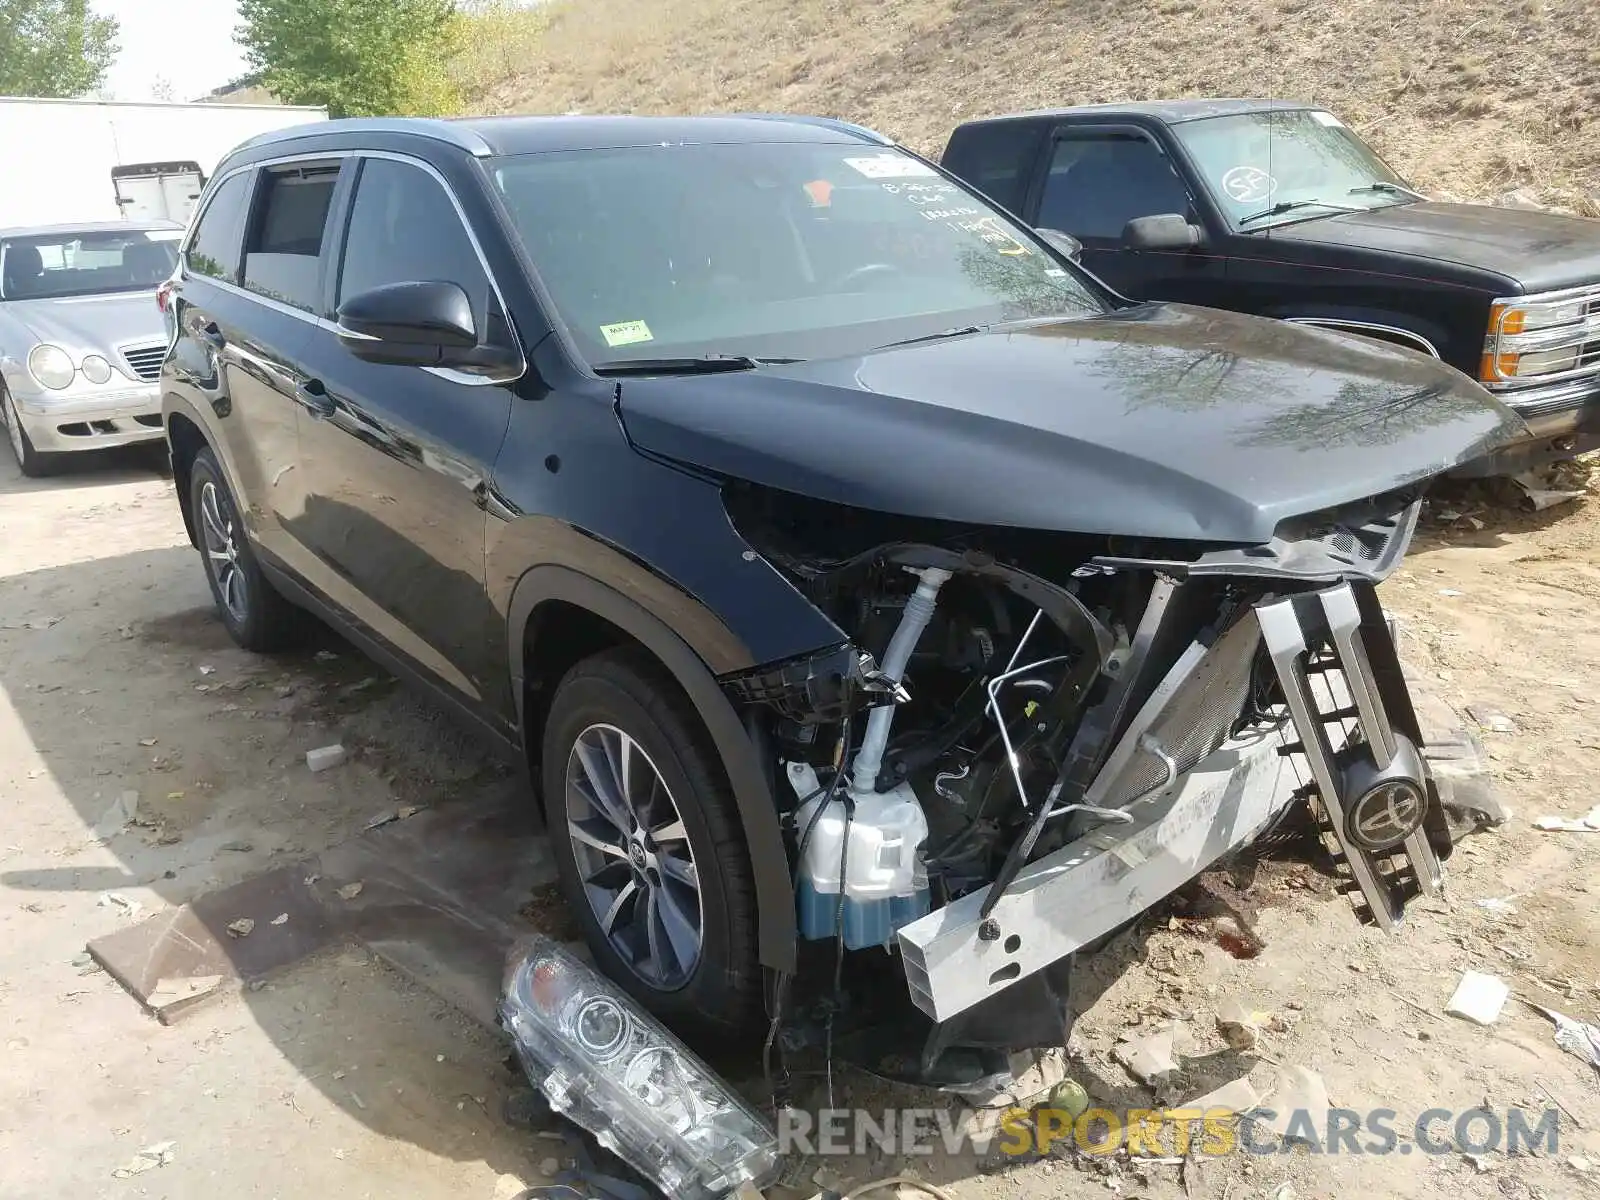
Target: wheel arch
{"type": "Point", "coordinates": [581, 612]}
{"type": "Point", "coordinates": [185, 439]}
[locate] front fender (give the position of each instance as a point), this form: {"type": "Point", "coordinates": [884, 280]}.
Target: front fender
{"type": "Point", "coordinates": [758, 811]}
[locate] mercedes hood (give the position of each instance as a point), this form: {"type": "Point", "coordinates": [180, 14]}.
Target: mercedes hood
{"type": "Point", "coordinates": [1155, 421]}
{"type": "Point", "coordinates": [1542, 251]}
{"type": "Point", "coordinates": [89, 324]}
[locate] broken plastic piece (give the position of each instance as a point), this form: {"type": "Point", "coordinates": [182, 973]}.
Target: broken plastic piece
{"type": "Point", "coordinates": [325, 757]}
{"type": "Point", "coordinates": [1149, 1059]}
{"type": "Point", "coordinates": [1478, 997]}
{"type": "Point", "coordinates": [1578, 1038]}
{"type": "Point", "coordinates": [605, 1063]}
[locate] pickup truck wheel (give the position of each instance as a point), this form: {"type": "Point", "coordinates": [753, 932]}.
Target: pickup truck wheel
{"type": "Point", "coordinates": [649, 845]}
{"type": "Point", "coordinates": [257, 617]}
{"type": "Point", "coordinates": [29, 461]}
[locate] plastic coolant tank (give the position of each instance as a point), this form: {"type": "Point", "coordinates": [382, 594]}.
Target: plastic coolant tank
{"type": "Point", "coordinates": [885, 884]}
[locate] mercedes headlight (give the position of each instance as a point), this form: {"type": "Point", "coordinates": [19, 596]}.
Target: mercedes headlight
{"type": "Point", "coordinates": [95, 369]}
{"type": "Point", "coordinates": [51, 366]}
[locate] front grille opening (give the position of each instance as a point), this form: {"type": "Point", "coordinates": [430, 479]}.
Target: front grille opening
{"type": "Point", "coordinates": [150, 420]}
{"type": "Point", "coordinates": [103, 426]}
{"type": "Point", "coordinates": [74, 429]}
{"type": "Point", "coordinates": [145, 361]}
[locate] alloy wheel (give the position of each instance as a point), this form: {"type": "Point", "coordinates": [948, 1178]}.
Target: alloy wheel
{"type": "Point", "coordinates": [221, 536]}
{"type": "Point", "coordinates": [633, 856]}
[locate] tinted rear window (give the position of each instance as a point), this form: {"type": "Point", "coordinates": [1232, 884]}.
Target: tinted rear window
{"type": "Point", "coordinates": [996, 159]}
{"type": "Point", "coordinates": [214, 249]}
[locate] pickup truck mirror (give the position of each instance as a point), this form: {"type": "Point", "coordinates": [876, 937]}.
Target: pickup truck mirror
{"type": "Point", "coordinates": [1063, 243]}
{"type": "Point", "coordinates": [419, 324]}
{"type": "Point", "coordinates": [1165, 231]}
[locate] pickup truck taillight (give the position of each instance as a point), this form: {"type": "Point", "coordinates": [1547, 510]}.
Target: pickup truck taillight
{"type": "Point", "coordinates": [1552, 335]}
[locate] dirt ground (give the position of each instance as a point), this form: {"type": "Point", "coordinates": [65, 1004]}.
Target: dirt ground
{"type": "Point", "coordinates": [341, 1078]}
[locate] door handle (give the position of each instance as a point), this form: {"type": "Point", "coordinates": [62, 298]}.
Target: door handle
{"type": "Point", "coordinates": [314, 396]}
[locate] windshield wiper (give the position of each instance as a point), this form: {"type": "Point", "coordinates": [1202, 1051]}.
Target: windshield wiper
{"type": "Point", "coordinates": [936, 337]}
{"type": "Point", "coordinates": [705, 364]}
{"type": "Point", "coordinates": [1290, 205]}
{"type": "Point", "coordinates": [1383, 185]}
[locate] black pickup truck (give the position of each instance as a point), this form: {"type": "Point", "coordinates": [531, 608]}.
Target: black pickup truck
{"type": "Point", "coordinates": [1279, 209]}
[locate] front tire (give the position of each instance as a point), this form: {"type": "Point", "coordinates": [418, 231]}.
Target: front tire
{"type": "Point", "coordinates": [648, 841]}
{"type": "Point", "coordinates": [257, 617]}
{"type": "Point", "coordinates": [29, 461]}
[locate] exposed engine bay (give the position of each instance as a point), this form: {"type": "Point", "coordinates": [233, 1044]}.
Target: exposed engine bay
{"type": "Point", "coordinates": [1031, 738]}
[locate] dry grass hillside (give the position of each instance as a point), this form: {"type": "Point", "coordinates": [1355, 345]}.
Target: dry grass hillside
{"type": "Point", "coordinates": [1474, 97]}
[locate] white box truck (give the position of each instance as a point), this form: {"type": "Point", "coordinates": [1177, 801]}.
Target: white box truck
{"type": "Point", "coordinates": [87, 160]}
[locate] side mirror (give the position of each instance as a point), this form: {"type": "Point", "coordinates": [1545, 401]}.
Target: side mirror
{"type": "Point", "coordinates": [1166, 231]}
{"type": "Point", "coordinates": [421, 324]}
{"type": "Point", "coordinates": [1064, 244]}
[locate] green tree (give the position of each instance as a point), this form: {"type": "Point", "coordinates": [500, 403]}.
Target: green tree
{"type": "Point", "coordinates": [358, 57]}
{"type": "Point", "coordinates": [53, 47]}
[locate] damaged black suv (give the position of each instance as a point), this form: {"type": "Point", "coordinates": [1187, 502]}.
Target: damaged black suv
{"type": "Point", "coordinates": [851, 569]}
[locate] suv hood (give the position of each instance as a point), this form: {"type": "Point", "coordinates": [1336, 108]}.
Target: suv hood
{"type": "Point", "coordinates": [85, 324]}
{"type": "Point", "coordinates": [1154, 421]}
{"type": "Point", "coordinates": [1541, 251]}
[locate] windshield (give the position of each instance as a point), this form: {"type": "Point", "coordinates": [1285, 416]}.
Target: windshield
{"type": "Point", "coordinates": [1254, 163]}
{"type": "Point", "coordinates": [770, 250]}
{"type": "Point", "coordinates": [50, 266]}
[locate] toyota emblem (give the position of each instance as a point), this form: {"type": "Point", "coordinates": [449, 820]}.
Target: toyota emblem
{"type": "Point", "coordinates": [1387, 815]}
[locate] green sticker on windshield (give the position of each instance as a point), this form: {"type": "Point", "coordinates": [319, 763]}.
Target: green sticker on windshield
{"type": "Point", "coordinates": [625, 333]}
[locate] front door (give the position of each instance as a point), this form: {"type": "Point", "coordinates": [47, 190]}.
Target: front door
{"type": "Point", "coordinates": [396, 458]}
{"type": "Point", "coordinates": [1099, 179]}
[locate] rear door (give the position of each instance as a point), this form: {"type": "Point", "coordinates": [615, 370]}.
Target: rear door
{"type": "Point", "coordinates": [157, 191]}
{"type": "Point", "coordinates": [397, 459]}
{"type": "Point", "coordinates": [1097, 178]}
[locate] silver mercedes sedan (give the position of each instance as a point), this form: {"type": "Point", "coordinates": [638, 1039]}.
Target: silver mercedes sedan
{"type": "Point", "coordinates": [81, 336]}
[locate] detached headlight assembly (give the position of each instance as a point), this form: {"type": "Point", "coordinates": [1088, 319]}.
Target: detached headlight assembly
{"type": "Point", "coordinates": [51, 366]}
{"type": "Point", "coordinates": [605, 1063]}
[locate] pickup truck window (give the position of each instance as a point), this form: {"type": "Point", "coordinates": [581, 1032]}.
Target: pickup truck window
{"type": "Point", "coordinates": [771, 249]}
{"type": "Point", "coordinates": [1099, 182]}
{"type": "Point", "coordinates": [1255, 162]}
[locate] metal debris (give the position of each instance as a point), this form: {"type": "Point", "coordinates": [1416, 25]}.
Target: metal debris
{"type": "Point", "coordinates": [241, 927]}
{"type": "Point", "coordinates": [1539, 488]}
{"type": "Point", "coordinates": [280, 919]}
{"type": "Point", "coordinates": [1478, 998]}
{"type": "Point", "coordinates": [349, 891]}
{"type": "Point", "coordinates": [237, 847]}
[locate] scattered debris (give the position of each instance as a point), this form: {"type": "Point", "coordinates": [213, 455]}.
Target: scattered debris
{"type": "Point", "coordinates": [130, 908]}
{"type": "Point", "coordinates": [325, 757]}
{"type": "Point", "coordinates": [1541, 491]}
{"type": "Point", "coordinates": [1451, 592]}
{"type": "Point", "coordinates": [1491, 719]}
{"type": "Point", "coordinates": [148, 1159]}
{"type": "Point", "coordinates": [38, 624]}
{"type": "Point", "coordinates": [168, 992]}
{"type": "Point", "coordinates": [237, 847]}
{"type": "Point", "coordinates": [1149, 1058]}
{"type": "Point", "coordinates": [1242, 1026]}
{"type": "Point", "coordinates": [280, 919]}
{"type": "Point", "coordinates": [85, 963]}
{"type": "Point", "coordinates": [147, 741]}
{"type": "Point", "coordinates": [349, 891]}
{"type": "Point", "coordinates": [204, 670]}
{"type": "Point", "coordinates": [1284, 1191]}
{"type": "Point", "coordinates": [1580, 1164]}
{"type": "Point", "coordinates": [1298, 1090]}
{"type": "Point", "coordinates": [122, 813]}
{"type": "Point", "coordinates": [1481, 1163]}
{"type": "Point", "coordinates": [1554, 1098]}
{"type": "Point", "coordinates": [241, 927]}
{"type": "Point", "coordinates": [311, 880]}
{"type": "Point", "coordinates": [403, 813]}
{"type": "Point", "coordinates": [1500, 906]}
{"type": "Point", "coordinates": [1240, 1096]}
{"type": "Point", "coordinates": [1575, 1037]}
{"type": "Point", "coordinates": [1588, 823]}
{"type": "Point", "coordinates": [325, 656]}
{"type": "Point", "coordinates": [1478, 998]}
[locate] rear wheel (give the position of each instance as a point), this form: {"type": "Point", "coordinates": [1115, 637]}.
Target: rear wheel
{"type": "Point", "coordinates": [648, 841]}
{"type": "Point", "coordinates": [32, 464]}
{"type": "Point", "coordinates": [257, 617]}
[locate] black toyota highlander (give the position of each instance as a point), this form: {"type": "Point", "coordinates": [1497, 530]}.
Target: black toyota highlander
{"type": "Point", "coordinates": [851, 572]}
{"type": "Point", "coordinates": [1279, 208]}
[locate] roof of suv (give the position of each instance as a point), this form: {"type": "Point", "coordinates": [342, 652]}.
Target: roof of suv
{"type": "Point", "coordinates": [1170, 111]}
{"type": "Point", "coordinates": [484, 136]}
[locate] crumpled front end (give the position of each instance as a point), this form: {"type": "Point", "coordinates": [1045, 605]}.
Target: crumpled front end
{"type": "Point", "coordinates": [1299, 699]}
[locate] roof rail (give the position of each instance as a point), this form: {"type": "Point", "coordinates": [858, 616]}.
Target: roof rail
{"type": "Point", "coordinates": [833, 123]}
{"type": "Point", "coordinates": [460, 136]}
